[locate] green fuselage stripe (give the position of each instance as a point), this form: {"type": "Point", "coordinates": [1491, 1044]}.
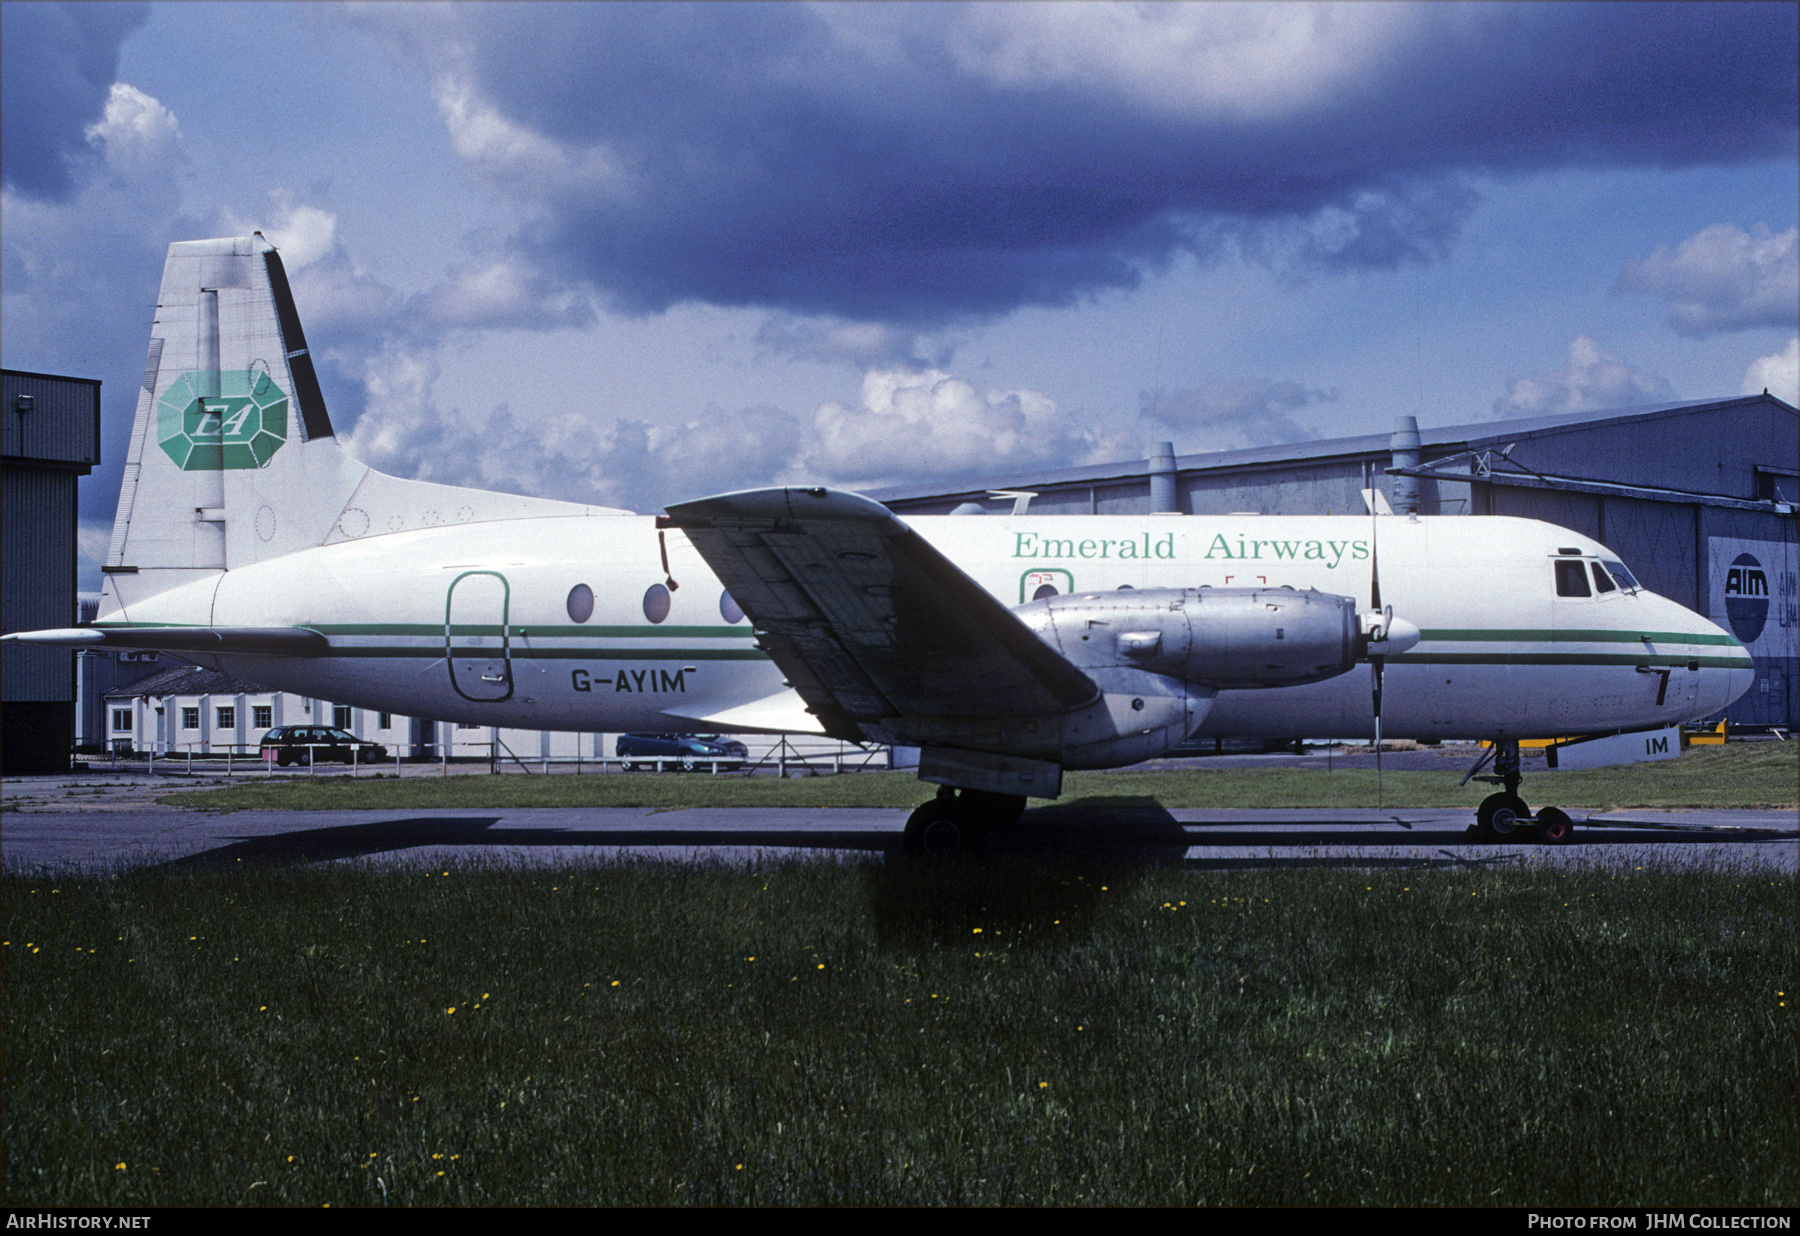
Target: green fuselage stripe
{"type": "Point", "coordinates": [1566, 658]}
{"type": "Point", "coordinates": [1495, 635]}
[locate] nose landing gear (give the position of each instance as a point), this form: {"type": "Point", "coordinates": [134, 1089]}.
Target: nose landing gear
{"type": "Point", "coordinates": [1504, 816]}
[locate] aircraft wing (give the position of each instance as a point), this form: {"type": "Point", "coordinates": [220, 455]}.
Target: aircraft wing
{"type": "Point", "coordinates": [868, 622]}
{"type": "Point", "coordinates": [266, 641]}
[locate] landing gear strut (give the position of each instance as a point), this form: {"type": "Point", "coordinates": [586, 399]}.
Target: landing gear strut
{"type": "Point", "coordinates": [955, 824]}
{"type": "Point", "coordinates": [1505, 816]}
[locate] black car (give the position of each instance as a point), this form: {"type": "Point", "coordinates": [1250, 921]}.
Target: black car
{"type": "Point", "coordinates": [686, 751]}
{"type": "Point", "coordinates": [318, 744]}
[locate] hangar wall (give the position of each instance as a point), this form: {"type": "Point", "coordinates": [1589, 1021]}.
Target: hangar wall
{"type": "Point", "coordinates": [49, 436]}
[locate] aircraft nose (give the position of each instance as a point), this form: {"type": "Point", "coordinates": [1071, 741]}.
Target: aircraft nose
{"type": "Point", "coordinates": [1401, 635]}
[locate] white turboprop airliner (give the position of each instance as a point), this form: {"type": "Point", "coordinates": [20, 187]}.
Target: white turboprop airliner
{"type": "Point", "coordinates": [1007, 649]}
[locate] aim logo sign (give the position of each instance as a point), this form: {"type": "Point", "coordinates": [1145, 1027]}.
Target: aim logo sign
{"type": "Point", "coordinates": [1746, 597]}
{"type": "Point", "coordinates": [235, 418]}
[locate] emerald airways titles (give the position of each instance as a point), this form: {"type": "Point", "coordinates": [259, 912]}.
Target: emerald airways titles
{"type": "Point", "coordinates": [1331, 553]}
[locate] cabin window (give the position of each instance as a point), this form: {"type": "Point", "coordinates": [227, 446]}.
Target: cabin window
{"type": "Point", "coordinates": [262, 715]}
{"type": "Point", "coordinates": [225, 717]}
{"type": "Point", "coordinates": [581, 603]}
{"type": "Point", "coordinates": [1571, 579]}
{"type": "Point", "coordinates": [1602, 581]}
{"type": "Point", "coordinates": [729, 609]}
{"type": "Point", "coordinates": [1044, 590]}
{"type": "Point", "coordinates": [656, 603]}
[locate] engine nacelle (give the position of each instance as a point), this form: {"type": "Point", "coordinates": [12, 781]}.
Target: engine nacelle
{"type": "Point", "coordinates": [1222, 638]}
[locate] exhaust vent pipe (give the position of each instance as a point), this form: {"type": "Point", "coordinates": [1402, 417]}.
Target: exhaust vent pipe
{"type": "Point", "coordinates": [1162, 480]}
{"type": "Point", "coordinates": [1405, 447]}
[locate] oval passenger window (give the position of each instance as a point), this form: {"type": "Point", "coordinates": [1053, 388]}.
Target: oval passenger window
{"type": "Point", "coordinates": [729, 609]}
{"type": "Point", "coordinates": [656, 603]}
{"type": "Point", "coordinates": [581, 603]}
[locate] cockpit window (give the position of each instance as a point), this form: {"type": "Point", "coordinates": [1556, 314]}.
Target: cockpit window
{"type": "Point", "coordinates": [1623, 576]}
{"type": "Point", "coordinates": [1571, 579]}
{"type": "Point", "coordinates": [1602, 581]}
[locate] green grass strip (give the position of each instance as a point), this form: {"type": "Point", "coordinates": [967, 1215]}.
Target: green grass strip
{"type": "Point", "coordinates": [1733, 775]}
{"type": "Point", "coordinates": [900, 1034]}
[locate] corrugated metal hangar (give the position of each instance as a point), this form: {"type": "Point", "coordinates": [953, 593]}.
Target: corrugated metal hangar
{"type": "Point", "coordinates": [49, 435]}
{"type": "Point", "coordinates": [1698, 499]}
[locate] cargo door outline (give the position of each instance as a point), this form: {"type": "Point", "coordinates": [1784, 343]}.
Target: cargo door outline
{"type": "Point", "coordinates": [477, 643]}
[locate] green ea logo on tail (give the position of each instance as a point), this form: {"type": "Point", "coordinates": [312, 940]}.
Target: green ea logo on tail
{"type": "Point", "coordinates": [240, 426]}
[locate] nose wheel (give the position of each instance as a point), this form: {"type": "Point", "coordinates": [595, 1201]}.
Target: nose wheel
{"type": "Point", "coordinates": [1504, 816]}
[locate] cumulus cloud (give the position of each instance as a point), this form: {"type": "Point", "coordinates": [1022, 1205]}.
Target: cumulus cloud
{"type": "Point", "coordinates": [1224, 415]}
{"type": "Point", "coordinates": [79, 274]}
{"type": "Point", "coordinates": [58, 64]}
{"type": "Point", "coordinates": [1723, 278]}
{"type": "Point", "coordinates": [921, 165]}
{"type": "Point", "coordinates": [563, 453]}
{"type": "Point", "coordinates": [833, 341]}
{"type": "Point", "coordinates": [1205, 61]}
{"type": "Point", "coordinates": [1778, 374]}
{"type": "Point", "coordinates": [907, 426]}
{"type": "Point", "coordinates": [910, 425]}
{"type": "Point", "coordinates": [1592, 379]}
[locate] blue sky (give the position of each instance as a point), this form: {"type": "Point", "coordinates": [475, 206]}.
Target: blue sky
{"type": "Point", "coordinates": [639, 253]}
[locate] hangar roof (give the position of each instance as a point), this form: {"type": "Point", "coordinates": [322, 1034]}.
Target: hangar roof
{"type": "Point", "coordinates": [1434, 441]}
{"type": "Point", "coordinates": [186, 680]}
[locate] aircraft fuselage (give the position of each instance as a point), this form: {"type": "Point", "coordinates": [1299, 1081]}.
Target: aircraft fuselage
{"type": "Point", "coordinates": [488, 623]}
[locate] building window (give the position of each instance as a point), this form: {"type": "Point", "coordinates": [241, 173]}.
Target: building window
{"type": "Point", "coordinates": [190, 718]}
{"type": "Point", "coordinates": [387, 721]}
{"type": "Point", "coordinates": [227, 717]}
{"type": "Point", "coordinates": [340, 716]}
{"type": "Point", "coordinates": [122, 720]}
{"type": "Point", "coordinates": [262, 715]}
{"type": "Point", "coordinates": [467, 725]}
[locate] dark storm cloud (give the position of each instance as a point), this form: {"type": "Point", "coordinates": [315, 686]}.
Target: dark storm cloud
{"type": "Point", "coordinates": [917, 165]}
{"type": "Point", "coordinates": [57, 63]}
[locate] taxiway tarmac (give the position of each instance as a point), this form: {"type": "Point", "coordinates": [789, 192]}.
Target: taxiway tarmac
{"type": "Point", "coordinates": [1221, 839]}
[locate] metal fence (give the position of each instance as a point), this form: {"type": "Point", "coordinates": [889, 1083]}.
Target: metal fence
{"type": "Point", "coordinates": [782, 759]}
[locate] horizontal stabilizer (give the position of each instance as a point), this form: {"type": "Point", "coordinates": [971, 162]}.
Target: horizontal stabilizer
{"type": "Point", "coordinates": [267, 641]}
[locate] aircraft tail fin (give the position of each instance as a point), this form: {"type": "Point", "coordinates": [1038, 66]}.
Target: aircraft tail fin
{"type": "Point", "coordinates": [233, 458]}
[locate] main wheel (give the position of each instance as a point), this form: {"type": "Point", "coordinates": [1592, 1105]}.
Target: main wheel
{"type": "Point", "coordinates": [1500, 816]}
{"type": "Point", "coordinates": [1553, 827]}
{"type": "Point", "coordinates": [941, 829]}
{"type": "Point", "coordinates": [997, 810]}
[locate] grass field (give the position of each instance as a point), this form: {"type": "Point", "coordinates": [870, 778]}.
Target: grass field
{"type": "Point", "coordinates": [896, 1033]}
{"type": "Point", "coordinates": [1765, 774]}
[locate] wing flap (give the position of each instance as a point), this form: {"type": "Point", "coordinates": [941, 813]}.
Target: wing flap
{"type": "Point", "coordinates": [867, 620]}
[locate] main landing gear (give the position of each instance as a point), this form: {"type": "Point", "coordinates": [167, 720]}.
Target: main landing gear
{"type": "Point", "coordinates": [1504, 816]}
{"type": "Point", "coordinates": [956, 823]}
